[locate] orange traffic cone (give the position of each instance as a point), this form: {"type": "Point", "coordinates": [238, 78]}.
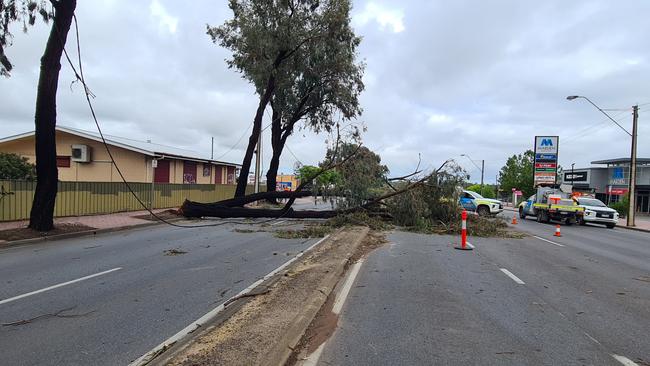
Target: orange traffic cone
{"type": "Point", "coordinates": [557, 231]}
{"type": "Point", "coordinates": [514, 220]}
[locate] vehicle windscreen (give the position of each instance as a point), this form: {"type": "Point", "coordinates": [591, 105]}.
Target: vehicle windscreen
{"type": "Point", "coordinates": [591, 202]}
{"type": "Point", "coordinates": [475, 195]}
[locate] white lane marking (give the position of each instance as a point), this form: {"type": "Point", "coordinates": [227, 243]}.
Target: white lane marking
{"type": "Point", "coordinates": [345, 291]}
{"type": "Point", "coordinates": [548, 241]}
{"type": "Point", "coordinates": [314, 357]}
{"type": "Point", "coordinates": [512, 276]}
{"type": "Point", "coordinates": [624, 360]}
{"type": "Point", "coordinates": [592, 338]}
{"type": "Point", "coordinates": [278, 223]}
{"type": "Point", "coordinates": [59, 285]}
{"type": "Point", "coordinates": [149, 356]}
{"type": "Point", "coordinates": [470, 245]}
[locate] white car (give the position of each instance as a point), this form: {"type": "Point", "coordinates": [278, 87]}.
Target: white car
{"type": "Point", "coordinates": [597, 212]}
{"type": "Point", "coordinates": [473, 201]}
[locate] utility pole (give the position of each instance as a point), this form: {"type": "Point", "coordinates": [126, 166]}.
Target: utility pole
{"type": "Point", "coordinates": [212, 151]}
{"type": "Point", "coordinates": [573, 177]}
{"type": "Point", "coordinates": [632, 187]}
{"type": "Point", "coordinates": [258, 158]}
{"type": "Point", "coordinates": [482, 173]}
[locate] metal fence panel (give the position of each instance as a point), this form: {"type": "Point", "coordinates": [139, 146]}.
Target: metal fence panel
{"type": "Point", "coordinates": [93, 198]}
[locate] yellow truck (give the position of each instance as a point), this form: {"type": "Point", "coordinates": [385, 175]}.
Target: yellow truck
{"type": "Point", "coordinates": [551, 204]}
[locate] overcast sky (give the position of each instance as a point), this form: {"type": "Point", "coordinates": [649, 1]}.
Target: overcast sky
{"type": "Point", "coordinates": [443, 78]}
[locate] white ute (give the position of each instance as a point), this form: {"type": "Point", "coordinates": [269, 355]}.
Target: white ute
{"type": "Point", "coordinates": [597, 212]}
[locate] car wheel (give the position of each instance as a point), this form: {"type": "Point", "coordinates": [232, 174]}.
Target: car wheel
{"type": "Point", "coordinates": [522, 215]}
{"type": "Point", "coordinates": [611, 226]}
{"type": "Point", "coordinates": [540, 216]}
{"type": "Point", "coordinates": [483, 211]}
{"type": "Point", "coordinates": [569, 222]}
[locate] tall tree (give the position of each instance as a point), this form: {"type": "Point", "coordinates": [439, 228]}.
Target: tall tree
{"type": "Point", "coordinates": [42, 214]}
{"type": "Point", "coordinates": [265, 37]}
{"type": "Point", "coordinates": [324, 80]}
{"type": "Point", "coordinates": [518, 173]}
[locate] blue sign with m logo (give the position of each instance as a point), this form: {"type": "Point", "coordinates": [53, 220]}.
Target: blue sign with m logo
{"type": "Point", "coordinates": [547, 142]}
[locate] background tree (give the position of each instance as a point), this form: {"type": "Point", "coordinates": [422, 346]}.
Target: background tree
{"type": "Point", "coordinates": [518, 173]}
{"type": "Point", "coordinates": [324, 79]}
{"type": "Point", "coordinates": [265, 37]}
{"type": "Point", "coordinates": [488, 190]}
{"type": "Point", "coordinates": [360, 179]}
{"type": "Point", "coordinates": [13, 166]}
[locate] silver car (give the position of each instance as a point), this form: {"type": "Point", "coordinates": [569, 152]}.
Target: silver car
{"type": "Point", "coordinates": [597, 212]}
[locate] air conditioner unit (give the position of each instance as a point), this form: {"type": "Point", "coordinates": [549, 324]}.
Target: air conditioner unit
{"type": "Point", "coordinates": [80, 153]}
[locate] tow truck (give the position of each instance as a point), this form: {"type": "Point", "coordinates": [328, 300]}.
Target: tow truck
{"type": "Point", "coordinates": [551, 203]}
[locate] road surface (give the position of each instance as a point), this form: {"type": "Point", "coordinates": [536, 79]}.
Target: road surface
{"type": "Point", "coordinates": [137, 296]}
{"type": "Point", "coordinates": [581, 299]}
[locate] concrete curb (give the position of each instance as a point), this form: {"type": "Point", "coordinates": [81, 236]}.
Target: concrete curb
{"type": "Point", "coordinates": [634, 228]}
{"type": "Point", "coordinates": [77, 234]}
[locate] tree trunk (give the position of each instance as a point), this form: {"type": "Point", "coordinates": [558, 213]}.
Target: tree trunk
{"type": "Point", "coordinates": [252, 141]}
{"type": "Point", "coordinates": [276, 132]}
{"type": "Point", "coordinates": [42, 214]}
{"type": "Point", "coordinates": [273, 195]}
{"type": "Point", "coordinates": [197, 209]}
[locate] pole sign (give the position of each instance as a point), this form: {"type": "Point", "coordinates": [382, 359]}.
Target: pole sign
{"type": "Point", "coordinates": [546, 152]}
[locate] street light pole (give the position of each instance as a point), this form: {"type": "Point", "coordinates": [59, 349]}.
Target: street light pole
{"type": "Point", "coordinates": [632, 190]}
{"type": "Point", "coordinates": [632, 176]}
{"type": "Point", "coordinates": [573, 177]}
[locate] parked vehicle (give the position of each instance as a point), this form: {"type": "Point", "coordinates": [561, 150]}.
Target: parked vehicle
{"type": "Point", "coordinates": [596, 212]}
{"type": "Point", "coordinates": [551, 204]}
{"type": "Point", "coordinates": [473, 201]}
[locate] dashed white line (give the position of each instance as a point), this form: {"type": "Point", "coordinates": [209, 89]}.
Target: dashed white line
{"type": "Point", "coordinates": [512, 276]}
{"type": "Point", "coordinates": [624, 360]}
{"type": "Point", "coordinates": [149, 356]}
{"type": "Point", "coordinates": [58, 285]}
{"type": "Point", "coordinates": [548, 241]}
{"type": "Point", "coordinates": [345, 291]}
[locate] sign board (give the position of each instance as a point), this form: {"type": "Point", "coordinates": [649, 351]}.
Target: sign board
{"type": "Point", "coordinates": [576, 176]}
{"type": "Point", "coordinates": [518, 193]}
{"type": "Point", "coordinates": [154, 163]}
{"type": "Point", "coordinates": [546, 152]}
{"type": "Point", "coordinates": [617, 191]}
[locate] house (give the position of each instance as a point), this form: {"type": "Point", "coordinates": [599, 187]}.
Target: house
{"type": "Point", "coordinates": [82, 156]}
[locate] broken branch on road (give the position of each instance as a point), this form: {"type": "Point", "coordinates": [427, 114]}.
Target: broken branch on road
{"type": "Point", "coordinates": [58, 314]}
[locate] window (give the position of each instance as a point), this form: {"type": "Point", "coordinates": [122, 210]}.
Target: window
{"type": "Point", "coordinates": [62, 161]}
{"type": "Point", "coordinates": [207, 170]}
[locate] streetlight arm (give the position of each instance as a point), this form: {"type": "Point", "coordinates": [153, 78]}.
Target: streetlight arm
{"type": "Point", "coordinates": [601, 111]}
{"type": "Point", "coordinates": [470, 159]}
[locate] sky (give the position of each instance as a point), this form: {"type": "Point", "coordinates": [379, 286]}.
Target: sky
{"type": "Point", "coordinates": [443, 78]}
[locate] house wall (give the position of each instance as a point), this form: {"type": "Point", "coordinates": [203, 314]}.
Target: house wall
{"type": "Point", "coordinates": [136, 167]}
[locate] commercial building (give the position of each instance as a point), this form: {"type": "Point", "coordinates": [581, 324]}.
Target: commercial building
{"type": "Point", "coordinates": [82, 157]}
{"type": "Point", "coordinates": [610, 182]}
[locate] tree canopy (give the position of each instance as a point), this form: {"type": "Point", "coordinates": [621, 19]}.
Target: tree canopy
{"type": "Point", "coordinates": [518, 173]}
{"type": "Point", "coordinates": [13, 166]}
{"type": "Point", "coordinates": [21, 11]}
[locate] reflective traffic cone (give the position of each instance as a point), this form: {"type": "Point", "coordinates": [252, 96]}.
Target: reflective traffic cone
{"type": "Point", "coordinates": [514, 220]}
{"type": "Point", "coordinates": [557, 231]}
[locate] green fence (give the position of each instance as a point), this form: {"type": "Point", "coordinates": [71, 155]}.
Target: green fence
{"type": "Point", "coordinates": [92, 198]}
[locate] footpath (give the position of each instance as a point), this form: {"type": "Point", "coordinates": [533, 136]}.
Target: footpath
{"type": "Point", "coordinates": [16, 232]}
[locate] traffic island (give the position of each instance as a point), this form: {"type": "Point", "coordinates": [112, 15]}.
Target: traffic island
{"type": "Point", "coordinates": [267, 328]}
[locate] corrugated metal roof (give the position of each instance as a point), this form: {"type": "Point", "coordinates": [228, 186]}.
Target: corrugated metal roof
{"type": "Point", "coordinates": [143, 147]}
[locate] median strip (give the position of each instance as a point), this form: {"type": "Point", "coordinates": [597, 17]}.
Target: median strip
{"type": "Point", "coordinates": [269, 326]}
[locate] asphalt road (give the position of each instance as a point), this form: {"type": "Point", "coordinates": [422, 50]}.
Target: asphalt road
{"type": "Point", "coordinates": [582, 299]}
{"type": "Point", "coordinates": [146, 297]}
